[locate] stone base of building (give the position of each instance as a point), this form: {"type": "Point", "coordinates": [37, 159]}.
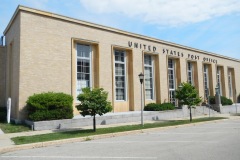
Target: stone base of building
{"type": "Point", "coordinates": [115, 118]}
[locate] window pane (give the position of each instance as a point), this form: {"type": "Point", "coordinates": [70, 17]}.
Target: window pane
{"type": "Point", "coordinates": [147, 60]}
{"type": "Point", "coordinates": [119, 69]}
{"type": "Point", "coordinates": [206, 86]}
{"type": "Point", "coordinates": [83, 51]}
{"type": "Point", "coordinates": [230, 84]}
{"type": "Point", "coordinates": [120, 75]}
{"type": "Point", "coordinates": [120, 94]}
{"type": "Point", "coordinates": [171, 81]}
{"type": "Point", "coordinates": [171, 96]}
{"type": "Point", "coordinates": [148, 76]}
{"type": "Point", "coordinates": [119, 56]}
{"type": "Point", "coordinates": [190, 72]}
{"type": "Point", "coordinates": [83, 67]}
{"type": "Point", "coordinates": [189, 66]}
{"type": "Point", "coordinates": [148, 94]}
{"type": "Point", "coordinates": [219, 80]}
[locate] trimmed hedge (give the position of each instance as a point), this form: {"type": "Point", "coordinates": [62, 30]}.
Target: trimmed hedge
{"type": "Point", "coordinates": [159, 107]}
{"type": "Point", "coordinates": [3, 114]}
{"type": "Point", "coordinates": [50, 106]}
{"type": "Point", "coordinates": [225, 101]}
{"type": "Point", "coordinates": [152, 107]}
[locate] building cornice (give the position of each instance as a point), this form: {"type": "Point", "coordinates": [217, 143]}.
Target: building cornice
{"type": "Point", "coordinates": [110, 29]}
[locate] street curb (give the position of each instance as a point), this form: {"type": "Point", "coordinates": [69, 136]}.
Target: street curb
{"type": "Point", "coordinates": [94, 137]}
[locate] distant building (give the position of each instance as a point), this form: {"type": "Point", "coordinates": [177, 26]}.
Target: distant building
{"type": "Point", "coordinates": [49, 52]}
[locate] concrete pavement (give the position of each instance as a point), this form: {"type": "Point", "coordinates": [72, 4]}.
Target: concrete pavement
{"type": "Point", "coordinates": [7, 145]}
{"type": "Point", "coordinates": [5, 141]}
{"type": "Point", "coordinates": [215, 140]}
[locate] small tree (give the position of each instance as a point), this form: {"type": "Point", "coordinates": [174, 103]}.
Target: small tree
{"type": "Point", "coordinates": [93, 102]}
{"type": "Point", "coordinates": [188, 95]}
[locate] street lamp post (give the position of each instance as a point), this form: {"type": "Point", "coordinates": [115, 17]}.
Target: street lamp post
{"type": "Point", "coordinates": [217, 96]}
{"type": "Point", "coordinates": [141, 78]}
{"type": "Point", "coordinates": [216, 90]}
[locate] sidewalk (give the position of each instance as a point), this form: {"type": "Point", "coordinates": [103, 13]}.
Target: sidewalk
{"type": "Point", "coordinates": [5, 140]}
{"type": "Point", "coordinates": [7, 145]}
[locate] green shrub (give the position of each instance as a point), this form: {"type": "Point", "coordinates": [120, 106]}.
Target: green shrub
{"type": "Point", "coordinates": [238, 98]}
{"type": "Point", "coordinates": [152, 107]}
{"type": "Point", "coordinates": [159, 107]}
{"type": "Point", "coordinates": [212, 99]}
{"type": "Point", "coordinates": [3, 114]}
{"type": "Point", "coordinates": [49, 106]}
{"type": "Point", "coordinates": [167, 106]}
{"type": "Point", "coordinates": [229, 102]}
{"type": "Point", "coordinates": [224, 101]}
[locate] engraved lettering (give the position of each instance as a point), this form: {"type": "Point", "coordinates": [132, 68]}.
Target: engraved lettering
{"type": "Point", "coordinates": [149, 48]}
{"type": "Point", "coordinates": [154, 48]}
{"type": "Point", "coordinates": [129, 44]}
{"type": "Point", "coordinates": [135, 45]}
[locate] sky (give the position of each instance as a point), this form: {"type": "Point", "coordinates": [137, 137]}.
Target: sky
{"type": "Point", "coordinates": [209, 25]}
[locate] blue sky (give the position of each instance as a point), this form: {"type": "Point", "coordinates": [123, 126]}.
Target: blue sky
{"type": "Point", "coordinates": [209, 25]}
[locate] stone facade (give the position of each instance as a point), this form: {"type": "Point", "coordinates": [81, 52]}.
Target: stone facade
{"type": "Point", "coordinates": [2, 75]}
{"type": "Point", "coordinates": [130, 117]}
{"type": "Point", "coordinates": [42, 57]}
{"type": "Point", "coordinates": [12, 37]}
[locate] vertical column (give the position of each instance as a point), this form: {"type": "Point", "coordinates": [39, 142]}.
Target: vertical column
{"type": "Point", "coordinates": [130, 80]}
{"type": "Point", "coordinates": [157, 78]}
{"type": "Point", "coordinates": [200, 78]}
{"type": "Point", "coordinates": [163, 77]}
{"type": "Point", "coordinates": [226, 80]}
{"type": "Point", "coordinates": [183, 70]}
{"type": "Point", "coordinates": [137, 64]}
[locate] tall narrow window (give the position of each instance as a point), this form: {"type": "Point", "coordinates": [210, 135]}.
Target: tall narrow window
{"type": "Point", "coordinates": [171, 81]}
{"type": "Point", "coordinates": [148, 74]}
{"type": "Point", "coordinates": [190, 73]}
{"type": "Point", "coordinates": [206, 80]}
{"type": "Point", "coordinates": [83, 67]}
{"type": "Point", "coordinates": [219, 83]}
{"type": "Point", "coordinates": [230, 83]}
{"type": "Point", "coordinates": [120, 75]}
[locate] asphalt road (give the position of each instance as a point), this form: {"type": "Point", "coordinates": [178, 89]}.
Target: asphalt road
{"type": "Point", "coordinates": [213, 141]}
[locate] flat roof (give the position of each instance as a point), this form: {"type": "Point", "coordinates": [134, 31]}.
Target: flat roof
{"type": "Point", "coordinates": [110, 29]}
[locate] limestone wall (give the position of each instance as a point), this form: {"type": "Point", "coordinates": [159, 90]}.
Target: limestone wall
{"type": "Point", "coordinates": [41, 50]}
{"type": "Point", "coordinates": [47, 60]}
{"type": "Point", "coordinates": [2, 75]}
{"type": "Point", "coordinates": [12, 41]}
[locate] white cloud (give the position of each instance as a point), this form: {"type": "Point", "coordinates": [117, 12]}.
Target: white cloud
{"type": "Point", "coordinates": [165, 12]}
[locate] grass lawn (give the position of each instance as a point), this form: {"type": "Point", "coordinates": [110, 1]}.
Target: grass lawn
{"type": "Point", "coordinates": [13, 128]}
{"type": "Point", "coordinates": [85, 133]}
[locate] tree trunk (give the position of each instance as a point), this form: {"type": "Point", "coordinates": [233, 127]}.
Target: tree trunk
{"type": "Point", "coordinates": [190, 113]}
{"type": "Point", "coordinates": [94, 123]}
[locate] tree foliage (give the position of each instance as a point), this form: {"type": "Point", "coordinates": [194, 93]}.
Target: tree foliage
{"type": "Point", "coordinates": [93, 102]}
{"type": "Point", "coordinates": [188, 95]}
